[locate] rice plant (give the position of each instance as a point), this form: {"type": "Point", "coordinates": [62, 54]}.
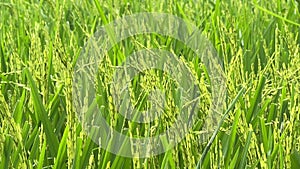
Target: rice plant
{"type": "Point", "coordinates": [257, 43]}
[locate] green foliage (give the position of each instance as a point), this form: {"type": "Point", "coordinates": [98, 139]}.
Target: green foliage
{"type": "Point", "coordinates": [257, 41]}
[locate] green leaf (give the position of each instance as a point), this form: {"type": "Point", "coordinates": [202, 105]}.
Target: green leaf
{"type": "Point", "coordinates": [230, 107]}
{"type": "Point", "coordinates": [243, 157]}
{"type": "Point", "coordinates": [42, 155]}
{"type": "Point", "coordinates": [60, 160]}
{"type": "Point", "coordinates": [42, 115]}
{"type": "Point", "coordinates": [255, 100]}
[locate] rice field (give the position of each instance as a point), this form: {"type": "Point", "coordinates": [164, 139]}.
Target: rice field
{"type": "Point", "coordinates": [257, 48]}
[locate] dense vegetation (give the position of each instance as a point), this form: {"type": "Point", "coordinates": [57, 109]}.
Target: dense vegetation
{"type": "Point", "coordinates": [257, 41]}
